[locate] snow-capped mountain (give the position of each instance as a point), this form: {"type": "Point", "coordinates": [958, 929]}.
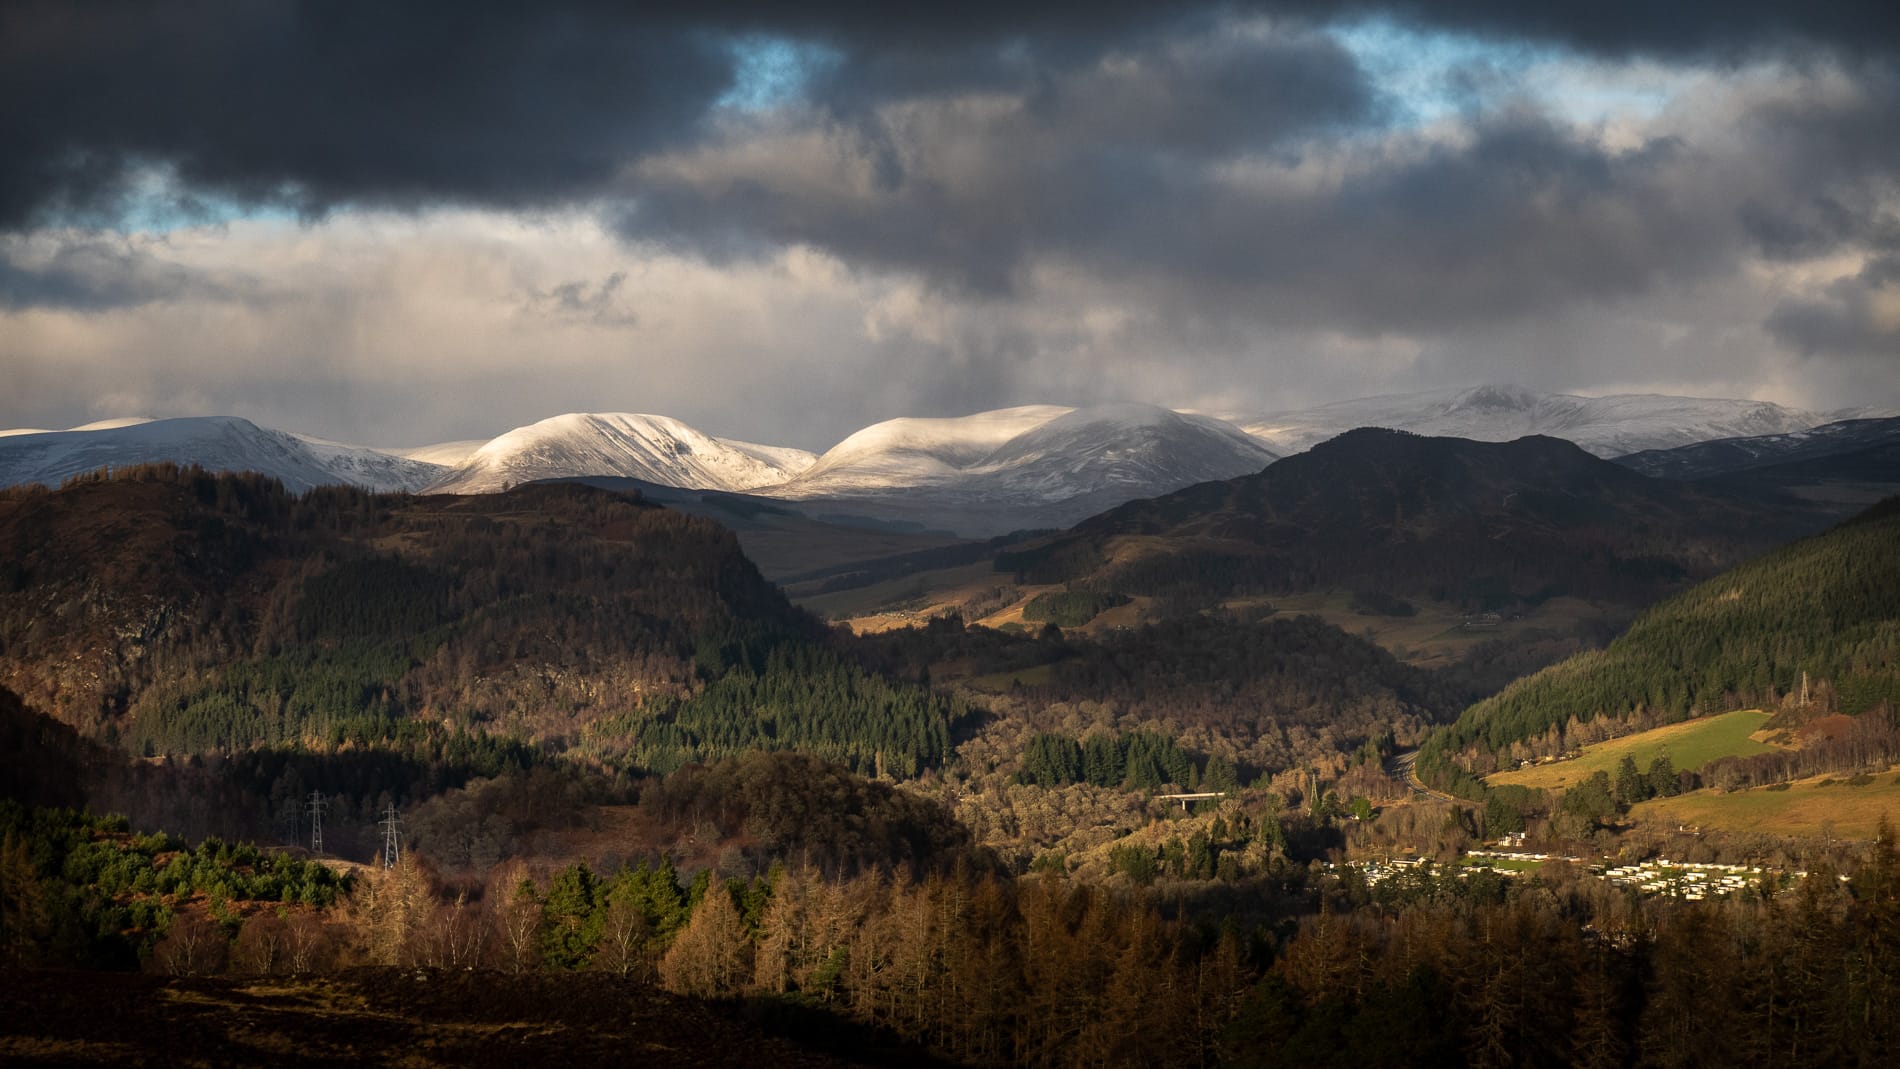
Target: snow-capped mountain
{"type": "Point", "coordinates": [654, 448]}
{"type": "Point", "coordinates": [96, 425]}
{"type": "Point", "coordinates": [914, 451]}
{"type": "Point", "coordinates": [987, 473]}
{"type": "Point", "coordinates": [1060, 466]}
{"type": "Point", "coordinates": [446, 454]}
{"type": "Point", "coordinates": [221, 443]}
{"type": "Point", "coordinates": [1606, 426]}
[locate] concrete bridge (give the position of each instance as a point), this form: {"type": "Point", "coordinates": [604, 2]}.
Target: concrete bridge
{"type": "Point", "coordinates": [1187, 800]}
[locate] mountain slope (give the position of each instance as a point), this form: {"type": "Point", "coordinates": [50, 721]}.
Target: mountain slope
{"type": "Point", "coordinates": [178, 611]}
{"type": "Point", "coordinates": [447, 454]}
{"type": "Point", "coordinates": [371, 469]}
{"type": "Point", "coordinates": [1605, 426]}
{"type": "Point", "coordinates": [1001, 471]}
{"type": "Point", "coordinates": [1485, 525]}
{"type": "Point", "coordinates": [782, 541]}
{"type": "Point", "coordinates": [912, 451]}
{"type": "Point", "coordinates": [219, 443]}
{"type": "Point", "coordinates": [1826, 607]}
{"type": "Point", "coordinates": [1724, 456]}
{"type": "Point", "coordinates": [654, 448]}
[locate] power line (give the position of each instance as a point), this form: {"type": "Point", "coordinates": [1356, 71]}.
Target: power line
{"type": "Point", "coordinates": [315, 807]}
{"type": "Point", "coordinates": [392, 842]}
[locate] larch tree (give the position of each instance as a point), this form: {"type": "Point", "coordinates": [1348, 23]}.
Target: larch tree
{"type": "Point", "coordinates": [712, 956]}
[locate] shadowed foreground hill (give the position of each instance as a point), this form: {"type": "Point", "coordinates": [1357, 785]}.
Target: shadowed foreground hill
{"type": "Point", "coordinates": [171, 610]}
{"type": "Point", "coordinates": [1482, 524]}
{"type": "Point", "coordinates": [379, 1017]}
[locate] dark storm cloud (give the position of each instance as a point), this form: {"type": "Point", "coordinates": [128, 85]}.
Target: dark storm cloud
{"type": "Point", "coordinates": [96, 274]}
{"type": "Point", "coordinates": [1525, 217]}
{"type": "Point", "coordinates": [1053, 191]}
{"type": "Point", "coordinates": [1079, 159]}
{"type": "Point", "coordinates": [1644, 27]}
{"type": "Point", "coordinates": [1801, 229]}
{"type": "Point", "coordinates": [315, 103]}
{"type": "Point", "coordinates": [1836, 157]}
{"type": "Point", "coordinates": [1094, 170]}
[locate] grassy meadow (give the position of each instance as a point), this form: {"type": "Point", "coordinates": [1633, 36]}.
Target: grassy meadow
{"type": "Point", "coordinates": [1690, 745]}
{"type": "Point", "coordinates": [1822, 805]}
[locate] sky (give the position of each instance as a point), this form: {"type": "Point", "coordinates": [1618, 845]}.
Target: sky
{"type": "Point", "coordinates": [401, 223]}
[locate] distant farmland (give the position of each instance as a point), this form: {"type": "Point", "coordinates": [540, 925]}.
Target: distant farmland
{"type": "Point", "coordinates": [1831, 804]}
{"type": "Point", "coordinates": [1690, 745]}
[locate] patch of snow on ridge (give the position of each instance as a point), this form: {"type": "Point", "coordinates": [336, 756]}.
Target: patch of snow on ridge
{"type": "Point", "coordinates": [657, 449]}
{"type": "Point", "coordinates": [447, 454]}
{"type": "Point", "coordinates": [372, 469]}
{"type": "Point", "coordinates": [912, 451]}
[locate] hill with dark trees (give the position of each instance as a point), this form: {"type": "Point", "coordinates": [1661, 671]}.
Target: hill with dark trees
{"type": "Point", "coordinates": [172, 611]}
{"type": "Point", "coordinates": [1482, 525]}
{"type": "Point", "coordinates": [1813, 626]}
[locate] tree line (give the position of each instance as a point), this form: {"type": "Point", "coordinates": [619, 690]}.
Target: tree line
{"type": "Point", "coordinates": [1431, 968]}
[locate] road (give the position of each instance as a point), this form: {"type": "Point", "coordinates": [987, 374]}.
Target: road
{"type": "Point", "coordinates": [1405, 764]}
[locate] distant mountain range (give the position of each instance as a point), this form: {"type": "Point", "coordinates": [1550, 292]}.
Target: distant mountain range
{"type": "Point", "coordinates": [1727, 456]}
{"type": "Point", "coordinates": [1486, 525]}
{"type": "Point", "coordinates": [1606, 426]}
{"type": "Point", "coordinates": [1038, 466]}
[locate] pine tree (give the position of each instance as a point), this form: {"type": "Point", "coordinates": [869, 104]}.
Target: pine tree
{"type": "Point", "coordinates": [573, 916]}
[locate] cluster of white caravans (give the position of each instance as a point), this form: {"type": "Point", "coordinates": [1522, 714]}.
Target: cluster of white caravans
{"type": "Point", "coordinates": [1682, 879]}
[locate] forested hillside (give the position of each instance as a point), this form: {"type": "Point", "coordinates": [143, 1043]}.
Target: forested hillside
{"type": "Point", "coordinates": [1821, 616]}
{"type": "Point", "coordinates": [173, 611]}
{"type": "Point", "coordinates": [1266, 696]}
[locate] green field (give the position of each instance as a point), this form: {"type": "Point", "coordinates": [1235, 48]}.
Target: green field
{"type": "Point", "coordinates": [1690, 745]}
{"type": "Point", "coordinates": [1808, 808]}
{"type": "Point", "coordinates": [1513, 864]}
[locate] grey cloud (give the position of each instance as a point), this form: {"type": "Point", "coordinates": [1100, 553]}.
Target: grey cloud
{"type": "Point", "coordinates": [1239, 193]}
{"type": "Point", "coordinates": [315, 104]}
{"type": "Point", "coordinates": [1526, 215]}
{"type": "Point", "coordinates": [312, 104]}
{"type": "Point", "coordinates": [1801, 230]}
{"type": "Point", "coordinates": [1700, 28]}
{"type": "Point", "coordinates": [95, 274]}
{"type": "Point", "coordinates": [1845, 321]}
{"type": "Point", "coordinates": [601, 304]}
{"type": "Point", "coordinates": [968, 188]}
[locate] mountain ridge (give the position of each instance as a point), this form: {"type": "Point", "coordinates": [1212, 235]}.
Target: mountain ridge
{"type": "Point", "coordinates": [1607, 426]}
{"type": "Point", "coordinates": [1031, 466]}
{"type": "Point", "coordinates": [230, 443]}
{"type": "Point", "coordinates": [1476, 522]}
{"type": "Point", "coordinates": [1052, 473]}
{"type": "Point", "coordinates": [1724, 456]}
